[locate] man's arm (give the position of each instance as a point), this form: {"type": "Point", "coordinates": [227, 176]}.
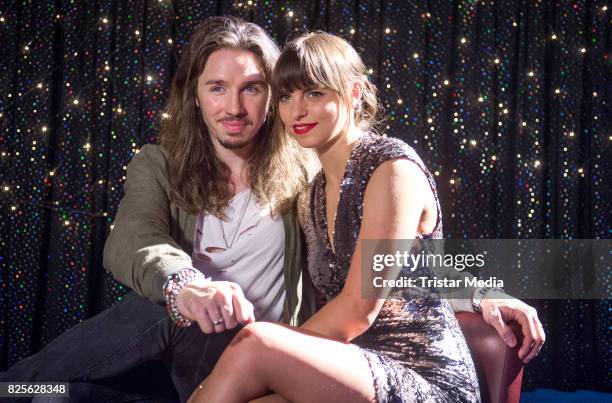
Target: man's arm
{"type": "Point", "coordinates": [140, 252]}
{"type": "Point", "coordinates": [498, 310]}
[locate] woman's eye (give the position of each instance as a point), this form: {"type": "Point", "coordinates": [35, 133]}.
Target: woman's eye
{"type": "Point", "coordinates": [283, 98]}
{"type": "Point", "coordinates": [314, 94]}
{"type": "Point", "coordinates": [216, 90]}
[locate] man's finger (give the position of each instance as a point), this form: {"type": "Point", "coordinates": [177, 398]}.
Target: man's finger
{"type": "Point", "coordinates": [538, 341]}
{"type": "Point", "coordinates": [540, 329]}
{"type": "Point", "coordinates": [251, 317]}
{"type": "Point", "coordinates": [496, 320]}
{"type": "Point", "coordinates": [228, 316]}
{"type": "Point", "coordinates": [529, 333]}
{"type": "Point", "coordinates": [216, 318]}
{"type": "Point", "coordinates": [237, 290]}
{"type": "Point", "coordinates": [243, 310]}
{"type": "Point", "coordinates": [203, 320]}
{"type": "Point", "coordinates": [225, 305]}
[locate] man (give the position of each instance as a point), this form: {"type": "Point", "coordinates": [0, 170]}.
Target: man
{"type": "Point", "coordinates": [214, 199]}
{"type": "Point", "coordinates": [218, 156]}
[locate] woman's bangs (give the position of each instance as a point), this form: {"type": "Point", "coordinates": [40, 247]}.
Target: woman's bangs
{"type": "Point", "coordinates": [291, 73]}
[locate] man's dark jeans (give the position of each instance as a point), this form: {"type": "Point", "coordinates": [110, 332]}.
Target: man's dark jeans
{"type": "Point", "coordinates": [113, 342]}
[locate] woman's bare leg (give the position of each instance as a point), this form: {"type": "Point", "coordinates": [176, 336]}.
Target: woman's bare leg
{"type": "Point", "coordinates": [272, 398]}
{"type": "Point", "coordinates": [300, 367]}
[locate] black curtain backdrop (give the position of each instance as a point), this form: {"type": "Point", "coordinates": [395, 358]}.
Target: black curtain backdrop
{"type": "Point", "coordinates": [508, 102]}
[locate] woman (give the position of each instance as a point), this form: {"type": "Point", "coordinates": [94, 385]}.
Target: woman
{"type": "Point", "coordinates": [371, 187]}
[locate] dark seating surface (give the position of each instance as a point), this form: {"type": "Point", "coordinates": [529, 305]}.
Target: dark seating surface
{"type": "Point", "coordinates": [500, 371]}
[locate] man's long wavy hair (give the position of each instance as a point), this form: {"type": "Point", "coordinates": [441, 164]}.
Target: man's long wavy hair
{"type": "Point", "coordinates": [198, 178]}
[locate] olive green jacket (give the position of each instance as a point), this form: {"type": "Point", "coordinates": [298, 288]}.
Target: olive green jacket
{"type": "Point", "coordinates": [153, 238]}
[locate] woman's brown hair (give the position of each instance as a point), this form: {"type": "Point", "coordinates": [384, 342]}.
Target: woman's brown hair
{"type": "Point", "coordinates": [322, 60]}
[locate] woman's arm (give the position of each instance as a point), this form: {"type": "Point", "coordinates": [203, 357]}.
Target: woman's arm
{"type": "Point", "coordinates": [393, 203]}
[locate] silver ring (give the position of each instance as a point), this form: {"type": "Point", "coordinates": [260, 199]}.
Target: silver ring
{"type": "Point", "coordinates": [218, 322]}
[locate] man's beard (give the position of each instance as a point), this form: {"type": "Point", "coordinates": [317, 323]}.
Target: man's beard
{"type": "Point", "coordinates": [231, 145]}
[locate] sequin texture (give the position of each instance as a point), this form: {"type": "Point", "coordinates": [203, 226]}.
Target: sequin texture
{"type": "Point", "coordinates": [415, 348]}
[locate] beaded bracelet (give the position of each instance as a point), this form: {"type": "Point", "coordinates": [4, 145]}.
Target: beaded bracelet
{"type": "Point", "coordinates": [172, 287]}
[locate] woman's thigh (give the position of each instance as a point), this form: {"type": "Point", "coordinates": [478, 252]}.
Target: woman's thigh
{"type": "Point", "coordinates": [301, 366]}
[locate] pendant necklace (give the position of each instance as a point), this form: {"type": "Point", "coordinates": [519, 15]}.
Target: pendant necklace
{"type": "Point", "coordinates": [237, 230]}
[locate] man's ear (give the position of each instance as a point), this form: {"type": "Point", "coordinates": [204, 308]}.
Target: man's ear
{"type": "Point", "coordinates": [356, 92]}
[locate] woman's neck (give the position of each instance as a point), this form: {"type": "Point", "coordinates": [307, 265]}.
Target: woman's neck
{"type": "Point", "coordinates": [335, 155]}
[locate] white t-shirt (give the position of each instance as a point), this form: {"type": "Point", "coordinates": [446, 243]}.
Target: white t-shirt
{"type": "Point", "coordinates": [251, 255]}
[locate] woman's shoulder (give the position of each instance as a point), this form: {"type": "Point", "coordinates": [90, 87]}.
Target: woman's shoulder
{"type": "Point", "coordinates": [378, 148]}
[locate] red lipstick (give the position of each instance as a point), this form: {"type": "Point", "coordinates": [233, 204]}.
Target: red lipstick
{"type": "Point", "coordinates": [303, 128]}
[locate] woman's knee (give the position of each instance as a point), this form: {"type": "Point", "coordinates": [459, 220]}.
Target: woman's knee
{"type": "Point", "coordinates": [253, 345]}
{"type": "Point", "coordinates": [257, 334]}
{"type": "Point", "coordinates": [241, 349]}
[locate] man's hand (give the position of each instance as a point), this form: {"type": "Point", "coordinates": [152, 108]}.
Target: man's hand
{"type": "Point", "coordinates": [215, 305]}
{"type": "Point", "coordinates": [498, 310]}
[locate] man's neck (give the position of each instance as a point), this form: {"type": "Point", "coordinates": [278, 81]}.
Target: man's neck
{"type": "Point", "coordinates": [237, 162]}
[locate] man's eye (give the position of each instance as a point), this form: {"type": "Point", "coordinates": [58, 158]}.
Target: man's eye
{"type": "Point", "coordinates": [216, 90]}
{"type": "Point", "coordinates": [251, 89]}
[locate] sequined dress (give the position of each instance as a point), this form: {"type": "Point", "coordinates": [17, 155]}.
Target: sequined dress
{"type": "Point", "coordinates": [415, 348]}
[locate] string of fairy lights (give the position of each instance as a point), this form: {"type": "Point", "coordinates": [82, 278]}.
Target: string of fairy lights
{"type": "Point", "coordinates": [393, 100]}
